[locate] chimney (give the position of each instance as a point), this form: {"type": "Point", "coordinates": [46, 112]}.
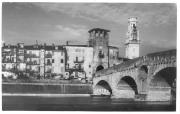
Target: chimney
{"type": "Point", "coordinates": [4, 44]}
{"type": "Point", "coordinates": [67, 43]}
{"type": "Point", "coordinates": [44, 45]}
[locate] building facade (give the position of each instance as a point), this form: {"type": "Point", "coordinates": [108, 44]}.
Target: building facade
{"type": "Point", "coordinates": [9, 58]}
{"type": "Point", "coordinates": [68, 61]}
{"type": "Point", "coordinates": [35, 60]}
{"type": "Point", "coordinates": [79, 61]}
{"type": "Point", "coordinates": [99, 41]}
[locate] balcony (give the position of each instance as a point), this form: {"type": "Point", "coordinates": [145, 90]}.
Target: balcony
{"type": "Point", "coordinates": [9, 70]}
{"type": "Point", "coordinates": [32, 63]}
{"type": "Point", "coordinates": [20, 60]}
{"type": "Point", "coordinates": [32, 71]}
{"type": "Point", "coordinates": [20, 54]}
{"type": "Point", "coordinates": [101, 55]}
{"type": "Point", "coordinates": [74, 69]}
{"type": "Point", "coordinates": [78, 68]}
{"type": "Point", "coordinates": [132, 41]}
{"type": "Point", "coordinates": [48, 71]}
{"type": "Point", "coordinates": [8, 54]}
{"type": "Point", "coordinates": [8, 61]}
{"type": "Point", "coordinates": [78, 61]}
{"type": "Point", "coordinates": [48, 64]}
{"type": "Point", "coordinates": [31, 56]}
{"type": "Point", "coordinates": [48, 55]}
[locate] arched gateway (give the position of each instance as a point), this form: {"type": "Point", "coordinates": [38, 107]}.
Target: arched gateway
{"type": "Point", "coordinates": [100, 67]}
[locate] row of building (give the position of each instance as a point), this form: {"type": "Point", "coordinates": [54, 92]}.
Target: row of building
{"type": "Point", "coordinates": [48, 60]}
{"type": "Point", "coordinates": [69, 61]}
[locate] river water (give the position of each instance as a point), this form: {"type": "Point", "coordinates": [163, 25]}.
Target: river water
{"type": "Point", "coordinates": [81, 103]}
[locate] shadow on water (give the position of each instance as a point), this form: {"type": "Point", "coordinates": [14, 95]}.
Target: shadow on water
{"type": "Point", "coordinates": [82, 104]}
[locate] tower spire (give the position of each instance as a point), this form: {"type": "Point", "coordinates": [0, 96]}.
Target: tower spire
{"type": "Point", "coordinates": [132, 42]}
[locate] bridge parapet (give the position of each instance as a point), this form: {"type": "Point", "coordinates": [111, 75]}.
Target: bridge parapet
{"type": "Point", "coordinates": [128, 65]}
{"type": "Point", "coordinates": [164, 57]}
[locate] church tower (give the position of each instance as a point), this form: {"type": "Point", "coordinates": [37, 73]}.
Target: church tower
{"type": "Point", "coordinates": [99, 40]}
{"type": "Point", "coordinates": [132, 42]}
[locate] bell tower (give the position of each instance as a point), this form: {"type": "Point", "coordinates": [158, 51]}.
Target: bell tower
{"type": "Point", "coordinates": [132, 42]}
{"type": "Point", "coordinates": [99, 40]}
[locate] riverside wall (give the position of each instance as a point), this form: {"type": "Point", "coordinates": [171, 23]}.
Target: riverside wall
{"type": "Point", "coordinates": [44, 88]}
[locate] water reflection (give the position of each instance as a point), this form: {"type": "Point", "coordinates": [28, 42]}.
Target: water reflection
{"type": "Point", "coordinates": [82, 104]}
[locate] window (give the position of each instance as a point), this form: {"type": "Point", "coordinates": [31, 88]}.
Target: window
{"type": "Point", "coordinates": [62, 61]}
{"type": "Point", "coordinates": [12, 59]}
{"type": "Point", "coordinates": [89, 66]}
{"type": "Point", "coordinates": [78, 50]}
{"type": "Point", "coordinates": [61, 53]}
{"type": "Point", "coordinates": [76, 58]}
{"type": "Point", "coordinates": [52, 60]}
{"type": "Point", "coordinates": [48, 61]}
{"type": "Point", "coordinates": [21, 51]}
{"type": "Point", "coordinates": [68, 65]}
{"type": "Point", "coordinates": [76, 66]}
{"type": "Point", "coordinates": [113, 57]}
{"type": "Point", "coordinates": [79, 66]}
{"type": "Point", "coordinates": [101, 55]}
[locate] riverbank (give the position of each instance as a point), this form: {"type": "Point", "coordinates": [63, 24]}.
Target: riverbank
{"type": "Point", "coordinates": [45, 95]}
{"type": "Point", "coordinates": [46, 88]}
{"type": "Point", "coordinates": [51, 81]}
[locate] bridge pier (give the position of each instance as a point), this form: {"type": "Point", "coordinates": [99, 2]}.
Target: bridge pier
{"type": "Point", "coordinates": [159, 94]}
{"type": "Point", "coordinates": [124, 92]}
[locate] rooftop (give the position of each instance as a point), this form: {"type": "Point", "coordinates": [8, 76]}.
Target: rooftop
{"type": "Point", "coordinates": [114, 47]}
{"type": "Point", "coordinates": [77, 45]}
{"type": "Point", "coordinates": [9, 46]}
{"type": "Point", "coordinates": [38, 47]}
{"type": "Point", "coordinates": [98, 29]}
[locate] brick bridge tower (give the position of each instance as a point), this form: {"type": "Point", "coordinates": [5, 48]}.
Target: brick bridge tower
{"type": "Point", "coordinates": [99, 40]}
{"type": "Point", "coordinates": [132, 42]}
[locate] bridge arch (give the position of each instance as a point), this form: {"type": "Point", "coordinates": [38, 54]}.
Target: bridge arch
{"type": "Point", "coordinates": [161, 67]}
{"type": "Point", "coordinates": [167, 74]}
{"type": "Point", "coordinates": [127, 82]}
{"type": "Point", "coordinates": [166, 78]}
{"type": "Point", "coordinates": [102, 88]}
{"type": "Point", "coordinates": [100, 67]}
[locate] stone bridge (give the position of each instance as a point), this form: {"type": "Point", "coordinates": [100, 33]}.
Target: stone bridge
{"type": "Point", "coordinates": [151, 78]}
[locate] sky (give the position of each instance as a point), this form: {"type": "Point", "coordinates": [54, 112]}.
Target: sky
{"type": "Point", "coordinates": [60, 22]}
